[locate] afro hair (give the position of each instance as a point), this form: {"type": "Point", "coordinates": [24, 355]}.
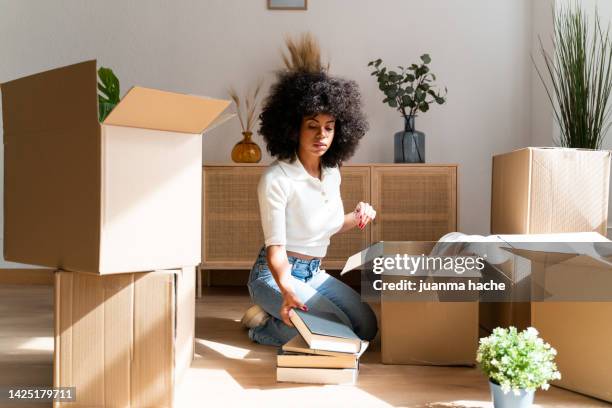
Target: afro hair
{"type": "Point", "coordinates": [306, 89]}
{"type": "Point", "coordinates": [299, 94]}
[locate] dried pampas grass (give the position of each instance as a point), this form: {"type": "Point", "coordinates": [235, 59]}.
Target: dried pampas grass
{"type": "Point", "coordinates": [304, 54]}
{"type": "Point", "coordinates": [246, 117]}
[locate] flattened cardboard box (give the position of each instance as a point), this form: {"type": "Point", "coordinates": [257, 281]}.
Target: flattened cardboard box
{"type": "Point", "coordinates": [539, 190]}
{"type": "Point", "coordinates": [126, 339]}
{"type": "Point", "coordinates": [424, 332]}
{"type": "Point", "coordinates": [121, 196]}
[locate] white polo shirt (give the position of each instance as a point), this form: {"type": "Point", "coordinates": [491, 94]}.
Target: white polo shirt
{"type": "Point", "coordinates": [298, 210]}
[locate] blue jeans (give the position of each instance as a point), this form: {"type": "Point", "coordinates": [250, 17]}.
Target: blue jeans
{"type": "Point", "coordinates": [316, 289]}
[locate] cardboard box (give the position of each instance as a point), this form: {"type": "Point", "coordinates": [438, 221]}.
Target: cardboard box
{"type": "Point", "coordinates": [540, 190]}
{"type": "Point", "coordinates": [582, 334]}
{"type": "Point", "coordinates": [580, 331]}
{"type": "Point", "coordinates": [121, 196]}
{"type": "Point", "coordinates": [446, 332]}
{"type": "Point", "coordinates": [126, 339]}
{"type": "Point", "coordinates": [427, 332]}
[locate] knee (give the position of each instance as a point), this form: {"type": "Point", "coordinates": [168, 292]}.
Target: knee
{"type": "Point", "coordinates": [367, 326]}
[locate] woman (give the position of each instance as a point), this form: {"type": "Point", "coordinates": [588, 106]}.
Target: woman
{"type": "Point", "coordinates": [311, 123]}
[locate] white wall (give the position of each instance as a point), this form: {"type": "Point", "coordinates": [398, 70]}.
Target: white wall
{"type": "Point", "coordinates": [480, 50]}
{"type": "Point", "coordinates": [542, 122]}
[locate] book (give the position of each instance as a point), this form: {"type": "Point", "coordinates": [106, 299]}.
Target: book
{"type": "Point", "coordinates": [317, 375]}
{"type": "Point", "coordinates": [324, 331]}
{"type": "Point", "coordinates": [300, 360]}
{"type": "Point", "coordinates": [298, 345]}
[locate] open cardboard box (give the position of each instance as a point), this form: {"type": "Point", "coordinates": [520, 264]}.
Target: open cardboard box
{"type": "Point", "coordinates": [120, 196]}
{"type": "Point", "coordinates": [123, 340]}
{"type": "Point", "coordinates": [421, 332]}
{"type": "Point", "coordinates": [580, 331]}
{"type": "Point", "coordinates": [446, 333]}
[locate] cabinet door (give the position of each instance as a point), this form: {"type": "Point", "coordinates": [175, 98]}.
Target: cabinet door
{"type": "Point", "coordinates": [355, 187]}
{"type": "Point", "coordinates": [231, 227]}
{"type": "Point", "coordinates": [414, 203]}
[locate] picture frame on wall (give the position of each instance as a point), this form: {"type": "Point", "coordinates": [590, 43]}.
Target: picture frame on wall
{"type": "Point", "coordinates": [287, 4]}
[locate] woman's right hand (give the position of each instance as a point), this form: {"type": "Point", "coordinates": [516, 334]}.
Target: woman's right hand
{"type": "Point", "coordinates": [290, 301]}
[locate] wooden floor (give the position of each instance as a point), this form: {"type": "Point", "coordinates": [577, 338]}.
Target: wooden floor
{"type": "Point", "coordinates": [230, 371]}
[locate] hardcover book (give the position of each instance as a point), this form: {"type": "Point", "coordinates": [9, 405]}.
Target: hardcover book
{"type": "Point", "coordinates": [324, 331]}
{"type": "Point", "coordinates": [317, 375]}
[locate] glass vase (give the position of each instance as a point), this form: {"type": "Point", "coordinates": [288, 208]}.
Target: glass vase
{"type": "Point", "coordinates": [409, 144]}
{"type": "Point", "coordinates": [246, 151]}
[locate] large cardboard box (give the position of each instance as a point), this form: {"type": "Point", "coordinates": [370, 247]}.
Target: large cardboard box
{"type": "Point", "coordinates": [428, 332]}
{"type": "Point", "coordinates": [423, 332]}
{"type": "Point", "coordinates": [113, 197]}
{"type": "Point", "coordinates": [580, 331]}
{"type": "Point", "coordinates": [540, 190]}
{"type": "Point", "coordinates": [582, 334]}
{"type": "Point", "coordinates": [124, 340]}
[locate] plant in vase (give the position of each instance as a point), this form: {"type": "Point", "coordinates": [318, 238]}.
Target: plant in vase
{"type": "Point", "coordinates": [580, 74]}
{"type": "Point", "coordinates": [246, 151]}
{"type": "Point", "coordinates": [516, 363]}
{"type": "Point", "coordinates": [410, 90]}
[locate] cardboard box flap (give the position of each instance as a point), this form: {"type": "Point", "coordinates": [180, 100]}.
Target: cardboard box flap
{"type": "Point", "coordinates": [356, 260]}
{"type": "Point", "coordinates": [61, 98]}
{"type": "Point", "coordinates": [549, 258]}
{"type": "Point", "coordinates": [553, 148]}
{"type": "Point", "coordinates": [160, 110]}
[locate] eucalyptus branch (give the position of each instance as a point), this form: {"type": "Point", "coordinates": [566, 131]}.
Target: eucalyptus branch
{"type": "Point", "coordinates": [411, 90]}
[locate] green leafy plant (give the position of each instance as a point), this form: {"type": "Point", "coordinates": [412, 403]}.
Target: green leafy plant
{"type": "Point", "coordinates": [409, 90]}
{"type": "Point", "coordinates": [580, 76]}
{"type": "Point", "coordinates": [108, 97]}
{"type": "Point", "coordinates": [517, 360]}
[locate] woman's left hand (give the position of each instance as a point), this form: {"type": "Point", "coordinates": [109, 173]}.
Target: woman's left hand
{"type": "Point", "coordinates": [364, 213]}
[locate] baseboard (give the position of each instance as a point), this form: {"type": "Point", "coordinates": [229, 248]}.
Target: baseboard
{"type": "Point", "coordinates": [17, 276]}
{"type": "Point", "coordinates": [224, 277]}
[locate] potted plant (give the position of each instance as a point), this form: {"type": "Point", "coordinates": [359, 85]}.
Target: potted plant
{"type": "Point", "coordinates": [246, 151]}
{"type": "Point", "coordinates": [410, 90]}
{"type": "Point", "coordinates": [516, 363]}
{"type": "Point", "coordinates": [580, 73]}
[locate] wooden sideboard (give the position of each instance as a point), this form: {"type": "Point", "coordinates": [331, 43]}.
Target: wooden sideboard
{"type": "Point", "coordinates": [414, 202]}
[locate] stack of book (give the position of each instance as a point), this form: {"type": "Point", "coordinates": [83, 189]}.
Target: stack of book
{"type": "Point", "coordinates": [325, 351]}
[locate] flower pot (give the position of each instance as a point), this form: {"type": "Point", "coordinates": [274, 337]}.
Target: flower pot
{"type": "Point", "coordinates": [246, 151]}
{"type": "Point", "coordinates": [510, 400]}
{"type": "Point", "coordinates": [409, 145]}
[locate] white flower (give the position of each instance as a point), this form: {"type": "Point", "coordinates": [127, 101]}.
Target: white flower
{"type": "Point", "coordinates": [517, 360]}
